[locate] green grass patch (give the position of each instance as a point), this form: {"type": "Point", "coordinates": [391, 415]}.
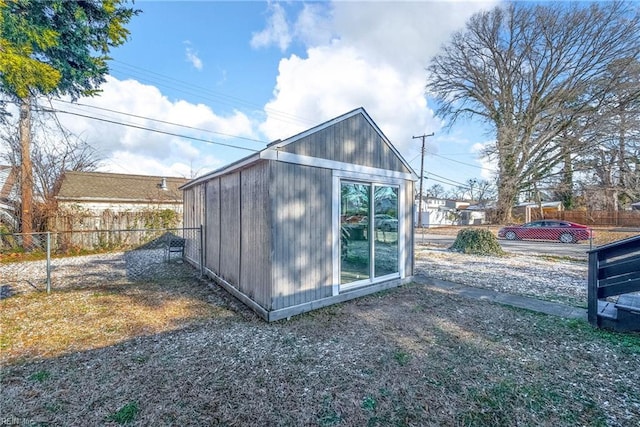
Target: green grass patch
{"type": "Point", "coordinates": [401, 357]}
{"type": "Point", "coordinates": [328, 415]}
{"type": "Point", "coordinates": [126, 414]}
{"type": "Point", "coordinates": [40, 376]}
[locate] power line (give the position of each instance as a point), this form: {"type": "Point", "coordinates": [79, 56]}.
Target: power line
{"type": "Point", "coordinates": [217, 96]}
{"type": "Point", "coordinates": [149, 129]}
{"type": "Point", "coordinates": [458, 161]}
{"type": "Point", "coordinates": [161, 121]}
{"type": "Point", "coordinates": [442, 182]}
{"type": "Point", "coordinates": [453, 181]}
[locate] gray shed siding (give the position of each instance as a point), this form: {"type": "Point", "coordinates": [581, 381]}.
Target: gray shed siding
{"type": "Point", "coordinates": [256, 247]}
{"type": "Point", "coordinates": [354, 141]}
{"type": "Point", "coordinates": [302, 250]}
{"type": "Point", "coordinates": [212, 225]}
{"type": "Point", "coordinates": [230, 228]}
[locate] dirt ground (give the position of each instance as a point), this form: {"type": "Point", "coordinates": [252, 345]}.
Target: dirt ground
{"type": "Point", "coordinates": [411, 356]}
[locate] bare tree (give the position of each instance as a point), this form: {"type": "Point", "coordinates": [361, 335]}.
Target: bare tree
{"type": "Point", "coordinates": [436, 191]}
{"type": "Point", "coordinates": [528, 71]}
{"type": "Point", "coordinates": [53, 151]}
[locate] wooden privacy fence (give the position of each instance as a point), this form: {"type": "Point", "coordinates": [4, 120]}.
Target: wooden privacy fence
{"type": "Point", "coordinates": [593, 218]}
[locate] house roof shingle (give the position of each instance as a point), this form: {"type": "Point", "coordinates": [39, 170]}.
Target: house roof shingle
{"type": "Point", "coordinates": [101, 186]}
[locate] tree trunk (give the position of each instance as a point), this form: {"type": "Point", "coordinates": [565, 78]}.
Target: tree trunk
{"type": "Point", "coordinates": [26, 173]}
{"type": "Point", "coordinates": [566, 187]}
{"type": "Point", "coordinates": [508, 178]}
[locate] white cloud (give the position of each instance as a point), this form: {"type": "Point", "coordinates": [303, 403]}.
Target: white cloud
{"type": "Point", "coordinates": [489, 164]}
{"type": "Point", "coordinates": [277, 31]}
{"type": "Point", "coordinates": [192, 56]}
{"type": "Point", "coordinates": [334, 80]}
{"type": "Point", "coordinates": [127, 149]}
{"type": "Point", "coordinates": [370, 54]}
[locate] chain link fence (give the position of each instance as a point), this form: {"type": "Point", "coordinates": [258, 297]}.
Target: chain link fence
{"type": "Point", "coordinates": [82, 258]}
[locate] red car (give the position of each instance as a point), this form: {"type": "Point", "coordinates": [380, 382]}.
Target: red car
{"type": "Point", "coordinates": [564, 231]}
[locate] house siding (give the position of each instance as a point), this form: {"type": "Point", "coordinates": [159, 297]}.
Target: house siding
{"type": "Point", "coordinates": [230, 228]}
{"type": "Point", "coordinates": [354, 141]}
{"type": "Point", "coordinates": [302, 218]}
{"type": "Point", "coordinates": [212, 225]}
{"type": "Point", "coordinates": [255, 257]}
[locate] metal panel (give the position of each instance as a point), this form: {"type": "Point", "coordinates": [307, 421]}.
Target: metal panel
{"type": "Point", "coordinates": [352, 140]}
{"type": "Point", "coordinates": [302, 258]}
{"type": "Point", "coordinates": [212, 225]}
{"type": "Point", "coordinates": [255, 264]}
{"type": "Point", "coordinates": [230, 227]}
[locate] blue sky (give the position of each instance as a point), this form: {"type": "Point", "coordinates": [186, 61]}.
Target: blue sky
{"type": "Point", "coordinates": [245, 73]}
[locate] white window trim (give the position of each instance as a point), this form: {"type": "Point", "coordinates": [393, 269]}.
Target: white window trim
{"type": "Point", "coordinates": [342, 175]}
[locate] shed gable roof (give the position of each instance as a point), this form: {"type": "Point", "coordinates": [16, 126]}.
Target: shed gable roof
{"type": "Point", "coordinates": [94, 186]}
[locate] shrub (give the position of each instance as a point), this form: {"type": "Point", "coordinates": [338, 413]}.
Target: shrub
{"type": "Point", "coordinates": [477, 242]}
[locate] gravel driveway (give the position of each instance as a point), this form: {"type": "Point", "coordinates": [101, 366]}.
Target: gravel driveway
{"type": "Point", "coordinates": [552, 280]}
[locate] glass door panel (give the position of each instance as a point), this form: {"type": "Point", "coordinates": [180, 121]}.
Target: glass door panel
{"type": "Point", "coordinates": [385, 205]}
{"type": "Point", "coordinates": [355, 250]}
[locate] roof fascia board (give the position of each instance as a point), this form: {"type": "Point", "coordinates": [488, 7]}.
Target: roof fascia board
{"type": "Point", "coordinates": [299, 159]}
{"type": "Point", "coordinates": [242, 163]}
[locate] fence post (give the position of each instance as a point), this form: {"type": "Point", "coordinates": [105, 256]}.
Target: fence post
{"type": "Point", "coordinates": [48, 262]}
{"type": "Point", "coordinates": [202, 250]}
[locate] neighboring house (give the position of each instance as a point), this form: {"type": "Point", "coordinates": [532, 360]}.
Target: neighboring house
{"type": "Point", "coordinates": [8, 197]}
{"type": "Point", "coordinates": [438, 212]}
{"type": "Point", "coordinates": [292, 228]}
{"type": "Point", "coordinates": [102, 201]}
{"type": "Point", "coordinates": [530, 211]}
{"type": "Point", "coordinates": [473, 215]}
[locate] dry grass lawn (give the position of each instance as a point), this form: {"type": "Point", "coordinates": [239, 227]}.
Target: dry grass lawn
{"type": "Point", "coordinates": [185, 353]}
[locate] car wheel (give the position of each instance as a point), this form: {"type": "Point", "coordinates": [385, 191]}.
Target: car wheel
{"type": "Point", "coordinates": [386, 227]}
{"type": "Point", "coordinates": [510, 235]}
{"type": "Point", "coordinates": [567, 238]}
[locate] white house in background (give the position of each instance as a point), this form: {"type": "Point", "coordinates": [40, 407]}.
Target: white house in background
{"type": "Point", "coordinates": [473, 215]}
{"type": "Point", "coordinates": [438, 212]}
{"type": "Point", "coordinates": [435, 212]}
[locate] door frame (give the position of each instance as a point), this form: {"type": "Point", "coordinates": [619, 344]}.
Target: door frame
{"type": "Point", "coordinates": [374, 180]}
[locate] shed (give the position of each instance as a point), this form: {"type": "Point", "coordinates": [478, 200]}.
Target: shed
{"type": "Point", "coordinates": [319, 218]}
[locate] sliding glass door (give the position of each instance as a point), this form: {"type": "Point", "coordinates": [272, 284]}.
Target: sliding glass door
{"type": "Point", "coordinates": [368, 232]}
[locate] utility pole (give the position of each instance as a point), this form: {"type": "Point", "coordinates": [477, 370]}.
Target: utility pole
{"type": "Point", "coordinates": [421, 176]}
